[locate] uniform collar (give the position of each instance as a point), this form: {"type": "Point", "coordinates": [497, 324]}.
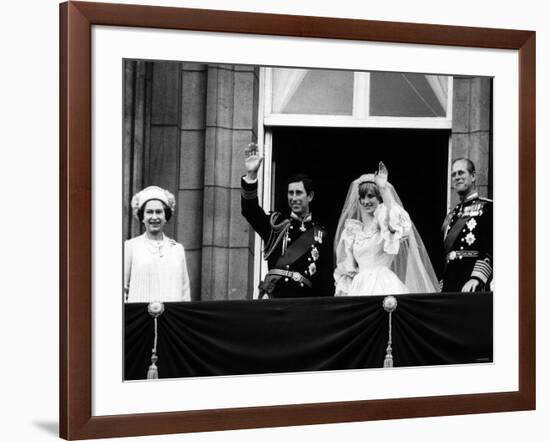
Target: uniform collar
{"type": "Point", "coordinates": [471, 197]}
{"type": "Point", "coordinates": [296, 218]}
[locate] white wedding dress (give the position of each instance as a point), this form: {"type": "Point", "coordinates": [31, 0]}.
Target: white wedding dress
{"type": "Point", "coordinates": [364, 255]}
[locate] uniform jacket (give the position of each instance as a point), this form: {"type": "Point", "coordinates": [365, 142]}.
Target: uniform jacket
{"type": "Point", "coordinates": [278, 233]}
{"type": "Point", "coordinates": [468, 242]}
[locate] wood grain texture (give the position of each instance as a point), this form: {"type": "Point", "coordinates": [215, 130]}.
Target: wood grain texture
{"type": "Point", "coordinates": [527, 224]}
{"type": "Point", "coordinates": [299, 26]}
{"type": "Point", "coordinates": [63, 291]}
{"type": "Point", "coordinates": [76, 421]}
{"type": "Point", "coordinates": [75, 234]}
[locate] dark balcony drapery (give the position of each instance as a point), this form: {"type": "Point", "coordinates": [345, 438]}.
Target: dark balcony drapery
{"type": "Point", "coordinates": [293, 335]}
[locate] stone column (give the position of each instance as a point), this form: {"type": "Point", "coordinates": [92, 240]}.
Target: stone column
{"type": "Point", "coordinates": [231, 104]}
{"type": "Point", "coordinates": [191, 182]}
{"type": "Point", "coordinates": [163, 155]}
{"type": "Point", "coordinates": [136, 135]}
{"type": "Point", "coordinates": [471, 132]}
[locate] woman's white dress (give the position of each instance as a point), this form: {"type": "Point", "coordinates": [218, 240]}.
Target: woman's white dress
{"type": "Point", "coordinates": [155, 271]}
{"type": "Point", "coordinates": [364, 256]}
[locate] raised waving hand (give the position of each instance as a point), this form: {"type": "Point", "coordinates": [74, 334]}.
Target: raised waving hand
{"type": "Point", "coordinates": [253, 160]}
{"type": "Point", "coordinates": [381, 176]}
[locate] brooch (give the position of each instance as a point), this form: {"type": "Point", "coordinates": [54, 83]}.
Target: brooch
{"type": "Point", "coordinates": [315, 253]}
{"type": "Point", "coordinates": [470, 238]}
{"type": "Point", "coordinates": [471, 224]}
{"type": "Point", "coordinates": [155, 308]}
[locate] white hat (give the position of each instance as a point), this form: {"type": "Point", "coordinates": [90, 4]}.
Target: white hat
{"type": "Point", "coordinates": [150, 193]}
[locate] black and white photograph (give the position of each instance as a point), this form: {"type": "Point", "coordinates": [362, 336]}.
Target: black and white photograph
{"type": "Point", "coordinates": [293, 219]}
{"type": "Point", "coordinates": [244, 220]}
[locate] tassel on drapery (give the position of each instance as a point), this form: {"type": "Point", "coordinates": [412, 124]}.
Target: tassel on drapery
{"type": "Point", "coordinates": [389, 304]}
{"type": "Point", "coordinates": [155, 309]}
{"type": "Point", "coordinates": [153, 372]}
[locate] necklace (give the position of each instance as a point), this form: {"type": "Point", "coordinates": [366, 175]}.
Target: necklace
{"type": "Point", "coordinates": [156, 246]}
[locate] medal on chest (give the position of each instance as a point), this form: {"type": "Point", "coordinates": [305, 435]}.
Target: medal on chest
{"type": "Point", "coordinates": [472, 210]}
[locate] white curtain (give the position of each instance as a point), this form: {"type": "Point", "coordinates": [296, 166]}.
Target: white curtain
{"type": "Point", "coordinates": [285, 84]}
{"type": "Point", "coordinates": [439, 85]}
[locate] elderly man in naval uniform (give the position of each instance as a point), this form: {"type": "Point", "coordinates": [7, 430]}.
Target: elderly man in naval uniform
{"type": "Point", "coordinates": [468, 234]}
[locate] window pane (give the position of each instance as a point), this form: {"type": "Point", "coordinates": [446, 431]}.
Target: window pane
{"type": "Point", "coordinates": [412, 95]}
{"type": "Point", "coordinates": [308, 91]}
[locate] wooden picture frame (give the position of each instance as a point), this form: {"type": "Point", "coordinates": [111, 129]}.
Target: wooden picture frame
{"type": "Point", "coordinates": [76, 420]}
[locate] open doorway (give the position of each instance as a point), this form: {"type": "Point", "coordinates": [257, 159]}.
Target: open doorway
{"type": "Point", "coordinates": [416, 160]}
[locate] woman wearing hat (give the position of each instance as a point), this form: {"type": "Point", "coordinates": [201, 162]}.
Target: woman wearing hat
{"type": "Point", "coordinates": [154, 265]}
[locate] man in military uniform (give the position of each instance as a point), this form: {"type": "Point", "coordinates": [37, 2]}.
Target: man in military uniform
{"type": "Point", "coordinates": [296, 248]}
{"type": "Point", "coordinates": [468, 234]}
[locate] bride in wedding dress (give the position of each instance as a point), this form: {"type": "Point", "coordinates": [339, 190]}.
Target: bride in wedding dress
{"type": "Point", "coordinates": [378, 249]}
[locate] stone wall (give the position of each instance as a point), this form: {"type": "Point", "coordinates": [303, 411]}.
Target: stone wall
{"type": "Point", "coordinates": [230, 126]}
{"type": "Point", "coordinates": [186, 127]}
{"type": "Point", "coordinates": [471, 132]}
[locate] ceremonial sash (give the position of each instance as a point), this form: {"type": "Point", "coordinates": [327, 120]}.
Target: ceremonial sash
{"type": "Point", "coordinates": [446, 224]}
{"type": "Point", "coordinates": [453, 233]}
{"type": "Point", "coordinates": [297, 249]}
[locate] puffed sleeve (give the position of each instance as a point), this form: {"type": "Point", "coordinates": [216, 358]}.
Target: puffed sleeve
{"type": "Point", "coordinates": [346, 265]}
{"type": "Point", "coordinates": [395, 224]}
